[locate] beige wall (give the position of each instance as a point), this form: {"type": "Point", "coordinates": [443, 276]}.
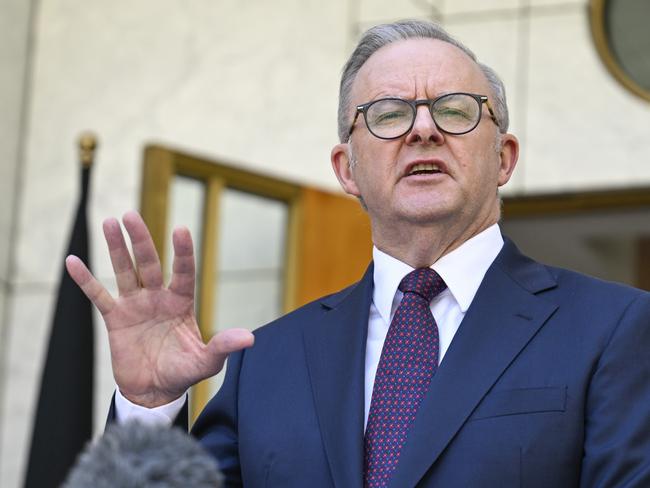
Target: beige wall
{"type": "Point", "coordinates": [14, 78]}
{"type": "Point", "coordinates": [255, 82]}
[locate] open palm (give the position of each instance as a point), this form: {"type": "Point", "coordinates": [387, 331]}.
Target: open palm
{"type": "Point", "coordinates": [156, 347]}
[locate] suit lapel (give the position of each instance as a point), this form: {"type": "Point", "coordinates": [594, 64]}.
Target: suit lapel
{"type": "Point", "coordinates": [503, 318]}
{"type": "Point", "coordinates": [335, 346]}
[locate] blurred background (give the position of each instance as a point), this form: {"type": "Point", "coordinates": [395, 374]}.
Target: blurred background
{"type": "Point", "coordinates": [253, 84]}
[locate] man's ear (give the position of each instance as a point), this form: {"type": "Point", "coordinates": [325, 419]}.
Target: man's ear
{"type": "Point", "coordinates": [508, 156]}
{"type": "Point", "coordinates": [340, 158]}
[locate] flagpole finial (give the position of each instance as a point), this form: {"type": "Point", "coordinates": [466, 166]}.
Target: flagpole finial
{"type": "Point", "coordinates": [87, 146]}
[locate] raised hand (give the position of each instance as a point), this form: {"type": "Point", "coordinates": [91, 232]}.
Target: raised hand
{"type": "Point", "coordinates": [156, 347]}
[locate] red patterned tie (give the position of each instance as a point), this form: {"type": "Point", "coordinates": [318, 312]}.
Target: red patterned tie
{"type": "Point", "coordinates": [408, 361]}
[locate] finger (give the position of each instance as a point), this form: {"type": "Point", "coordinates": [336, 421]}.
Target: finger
{"type": "Point", "coordinates": [92, 288]}
{"type": "Point", "coordinates": [183, 271]}
{"type": "Point", "coordinates": [125, 275]}
{"type": "Point", "coordinates": [144, 251]}
{"type": "Point", "coordinates": [227, 341]}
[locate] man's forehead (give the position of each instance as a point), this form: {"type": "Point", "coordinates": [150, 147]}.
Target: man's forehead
{"type": "Point", "coordinates": [419, 64]}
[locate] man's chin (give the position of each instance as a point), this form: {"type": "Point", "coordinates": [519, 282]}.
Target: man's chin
{"type": "Point", "coordinates": [430, 216]}
{"type": "Point", "coordinates": [428, 209]}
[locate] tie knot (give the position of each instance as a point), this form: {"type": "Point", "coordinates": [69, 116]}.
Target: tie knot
{"type": "Point", "coordinates": [423, 281]}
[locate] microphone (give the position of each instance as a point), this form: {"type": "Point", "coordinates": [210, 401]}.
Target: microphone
{"type": "Point", "coordinates": [135, 455]}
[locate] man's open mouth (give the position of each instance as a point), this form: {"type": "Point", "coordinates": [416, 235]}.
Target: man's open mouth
{"type": "Point", "coordinates": [424, 169]}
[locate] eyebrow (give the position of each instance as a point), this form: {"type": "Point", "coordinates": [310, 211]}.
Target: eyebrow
{"type": "Point", "coordinates": [437, 95]}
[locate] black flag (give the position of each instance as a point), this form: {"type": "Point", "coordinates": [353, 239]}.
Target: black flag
{"type": "Point", "coordinates": [64, 414]}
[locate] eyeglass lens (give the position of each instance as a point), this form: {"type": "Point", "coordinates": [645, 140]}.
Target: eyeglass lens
{"type": "Point", "coordinates": [455, 113]}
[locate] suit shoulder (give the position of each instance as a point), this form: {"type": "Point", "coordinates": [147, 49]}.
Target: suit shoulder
{"type": "Point", "coordinates": [592, 284]}
{"type": "Point", "coordinates": [596, 297]}
{"type": "Point", "coordinates": [541, 278]}
{"type": "Point", "coordinates": [305, 314]}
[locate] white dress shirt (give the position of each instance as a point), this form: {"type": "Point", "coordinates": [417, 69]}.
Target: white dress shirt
{"type": "Point", "coordinates": [462, 270]}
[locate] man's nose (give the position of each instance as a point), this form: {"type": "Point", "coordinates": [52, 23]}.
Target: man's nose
{"type": "Point", "coordinates": [424, 130]}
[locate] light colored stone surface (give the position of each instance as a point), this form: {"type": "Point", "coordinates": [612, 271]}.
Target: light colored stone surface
{"type": "Point", "coordinates": [4, 351]}
{"type": "Point", "coordinates": [212, 78]}
{"type": "Point", "coordinates": [371, 12]}
{"type": "Point", "coordinates": [14, 42]}
{"type": "Point", "coordinates": [584, 130]}
{"type": "Point", "coordinates": [14, 37]}
{"type": "Point", "coordinates": [475, 8]}
{"type": "Point", "coordinates": [14, 34]}
{"type": "Point", "coordinates": [27, 341]}
{"type": "Point", "coordinates": [558, 3]}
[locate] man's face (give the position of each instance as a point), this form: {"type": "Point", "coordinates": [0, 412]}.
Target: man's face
{"type": "Point", "coordinates": [463, 193]}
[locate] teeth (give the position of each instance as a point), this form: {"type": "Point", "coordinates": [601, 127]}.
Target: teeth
{"type": "Point", "coordinates": [424, 167]}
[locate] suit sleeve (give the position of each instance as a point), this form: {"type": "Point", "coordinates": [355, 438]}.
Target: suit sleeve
{"type": "Point", "coordinates": [216, 427]}
{"type": "Point", "coordinates": [617, 425]}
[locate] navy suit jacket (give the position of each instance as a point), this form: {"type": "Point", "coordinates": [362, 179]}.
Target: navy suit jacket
{"type": "Point", "coordinates": [546, 384]}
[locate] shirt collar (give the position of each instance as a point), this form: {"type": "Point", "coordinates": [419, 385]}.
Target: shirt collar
{"type": "Point", "coordinates": [462, 270]}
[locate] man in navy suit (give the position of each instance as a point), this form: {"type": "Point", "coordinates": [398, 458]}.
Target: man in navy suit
{"type": "Point", "coordinates": [542, 375]}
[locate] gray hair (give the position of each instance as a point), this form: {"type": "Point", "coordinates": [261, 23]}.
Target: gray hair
{"type": "Point", "coordinates": [379, 36]}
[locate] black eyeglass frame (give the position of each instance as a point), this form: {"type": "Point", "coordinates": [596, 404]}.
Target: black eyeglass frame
{"type": "Point", "coordinates": [480, 99]}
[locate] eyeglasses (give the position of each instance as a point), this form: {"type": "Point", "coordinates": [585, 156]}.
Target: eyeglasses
{"type": "Point", "coordinates": [453, 113]}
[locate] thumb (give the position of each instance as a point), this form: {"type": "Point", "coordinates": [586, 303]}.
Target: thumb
{"type": "Point", "coordinates": [227, 341]}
